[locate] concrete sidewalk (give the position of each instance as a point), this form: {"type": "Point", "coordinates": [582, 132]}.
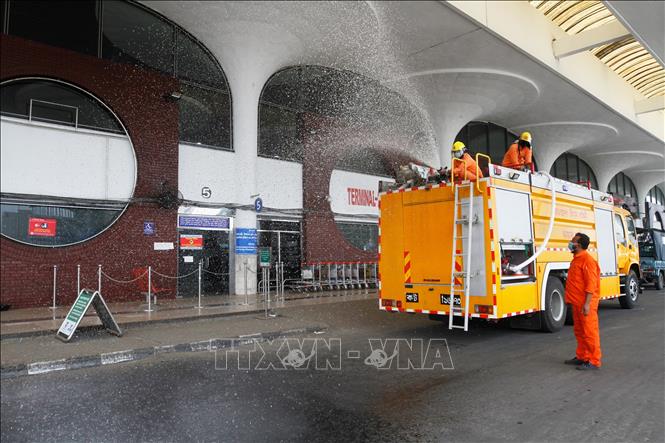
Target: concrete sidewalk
{"type": "Point", "coordinates": [43, 321]}
{"type": "Point", "coordinates": [95, 347]}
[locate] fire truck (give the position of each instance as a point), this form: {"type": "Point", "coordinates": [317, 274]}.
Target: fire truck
{"type": "Point", "coordinates": [497, 248]}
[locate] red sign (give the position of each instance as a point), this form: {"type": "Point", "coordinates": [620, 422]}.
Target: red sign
{"type": "Point", "coordinates": [361, 197]}
{"type": "Point", "coordinates": [42, 227]}
{"type": "Point", "coordinates": [191, 241]}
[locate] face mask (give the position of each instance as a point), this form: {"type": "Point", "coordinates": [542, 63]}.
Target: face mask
{"type": "Point", "coordinates": [458, 154]}
{"type": "Point", "coordinates": [571, 246]}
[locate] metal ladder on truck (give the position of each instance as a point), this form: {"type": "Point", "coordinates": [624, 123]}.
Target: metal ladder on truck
{"type": "Point", "coordinates": [464, 251]}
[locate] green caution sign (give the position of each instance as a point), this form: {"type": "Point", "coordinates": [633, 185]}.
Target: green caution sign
{"type": "Point", "coordinates": [264, 257]}
{"type": "Point", "coordinates": [86, 298]}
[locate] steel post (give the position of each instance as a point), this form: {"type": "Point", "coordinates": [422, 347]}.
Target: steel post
{"type": "Point", "coordinates": [78, 280]}
{"type": "Point", "coordinates": [199, 306]}
{"type": "Point", "coordinates": [55, 285]}
{"type": "Point", "coordinates": [149, 289]}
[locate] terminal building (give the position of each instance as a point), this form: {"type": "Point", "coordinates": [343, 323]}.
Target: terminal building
{"type": "Point", "coordinates": [172, 133]}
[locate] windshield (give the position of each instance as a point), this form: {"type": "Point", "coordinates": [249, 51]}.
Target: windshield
{"type": "Point", "coordinates": [646, 244]}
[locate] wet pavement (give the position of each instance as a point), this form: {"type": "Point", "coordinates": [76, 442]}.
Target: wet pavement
{"type": "Point", "coordinates": [45, 320]}
{"type": "Point", "coordinates": [506, 385]}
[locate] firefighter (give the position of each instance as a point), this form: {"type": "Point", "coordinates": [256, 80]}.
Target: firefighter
{"type": "Point", "coordinates": [518, 155]}
{"type": "Point", "coordinates": [467, 165]}
{"type": "Point", "coordinates": [583, 295]}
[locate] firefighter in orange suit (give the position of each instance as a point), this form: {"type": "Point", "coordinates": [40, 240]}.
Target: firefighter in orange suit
{"type": "Point", "coordinates": [583, 295]}
{"type": "Point", "coordinates": [467, 168]}
{"type": "Point", "coordinates": [518, 155]}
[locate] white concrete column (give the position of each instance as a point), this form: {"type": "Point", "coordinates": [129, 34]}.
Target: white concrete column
{"type": "Point", "coordinates": [246, 90]}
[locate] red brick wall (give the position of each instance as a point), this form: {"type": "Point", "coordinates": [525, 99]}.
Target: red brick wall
{"type": "Point", "coordinates": [137, 97]}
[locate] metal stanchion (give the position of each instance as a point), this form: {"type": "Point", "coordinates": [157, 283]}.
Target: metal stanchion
{"type": "Point", "coordinates": [245, 272]}
{"type": "Point", "coordinates": [55, 285]}
{"type": "Point", "coordinates": [199, 306]}
{"type": "Point", "coordinates": [281, 279]}
{"type": "Point", "coordinates": [149, 290]}
{"type": "Point", "coordinates": [266, 300]}
{"type": "Point", "coordinates": [78, 280]}
{"type": "Point", "coordinates": [99, 278]}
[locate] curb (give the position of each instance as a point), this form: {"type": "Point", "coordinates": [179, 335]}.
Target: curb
{"type": "Point", "coordinates": [109, 358]}
{"type": "Point", "coordinates": [132, 324]}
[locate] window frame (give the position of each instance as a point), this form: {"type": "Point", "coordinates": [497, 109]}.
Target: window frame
{"type": "Point", "coordinates": [28, 202]}
{"type": "Point", "coordinates": [618, 221]}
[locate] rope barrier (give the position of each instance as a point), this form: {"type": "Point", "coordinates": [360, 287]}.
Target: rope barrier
{"type": "Point", "coordinates": [124, 281]}
{"type": "Point", "coordinates": [176, 277]}
{"type": "Point", "coordinates": [214, 273]}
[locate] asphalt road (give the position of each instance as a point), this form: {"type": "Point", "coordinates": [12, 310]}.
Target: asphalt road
{"type": "Point", "coordinates": [506, 385]}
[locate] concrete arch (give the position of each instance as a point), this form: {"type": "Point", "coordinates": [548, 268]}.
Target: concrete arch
{"type": "Point", "coordinates": [608, 164]}
{"type": "Point", "coordinates": [551, 139]}
{"type": "Point", "coordinates": [453, 97]}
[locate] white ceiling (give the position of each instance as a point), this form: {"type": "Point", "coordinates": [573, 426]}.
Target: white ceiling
{"type": "Point", "coordinates": [451, 68]}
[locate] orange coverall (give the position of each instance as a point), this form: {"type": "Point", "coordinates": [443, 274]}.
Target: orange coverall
{"type": "Point", "coordinates": [583, 277]}
{"type": "Point", "coordinates": [469, 165]}
{"type": "Point", "coordinates": [516, 158]}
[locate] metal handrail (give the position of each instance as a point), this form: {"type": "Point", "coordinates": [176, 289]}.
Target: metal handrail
{"type": "Point", "coordinates": [489, 163]}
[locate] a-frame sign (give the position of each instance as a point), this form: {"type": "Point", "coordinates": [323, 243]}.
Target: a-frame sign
{"type": "Point", "coordinates": [86, 298]}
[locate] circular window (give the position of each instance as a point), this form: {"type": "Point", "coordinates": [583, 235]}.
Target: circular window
{"type": "Point", "coordinates": [68, 165]}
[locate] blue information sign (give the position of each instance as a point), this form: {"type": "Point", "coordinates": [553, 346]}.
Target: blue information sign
{"type": "Point", "coordinates": [148, 228]}
{"type": "Point", "coordinates": [245, 241]}
{"type": "Point", "coordinates": [258, 205]}
{"type": "Point", "coordinates": [201, 222]}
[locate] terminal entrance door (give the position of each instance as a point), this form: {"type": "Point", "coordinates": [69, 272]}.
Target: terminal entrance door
{"type": "Point", "coordinates": [283, 238]}
{"type": "Point", "coordinates": [211, 248]}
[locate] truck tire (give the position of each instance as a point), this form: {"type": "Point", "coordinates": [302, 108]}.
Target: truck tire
{"type": "Point", "coordinates": [554, 315]}
{"type": "Point", "coordinates": [660, 281]}
{"type": "Point", "coordinates": [631, 292]}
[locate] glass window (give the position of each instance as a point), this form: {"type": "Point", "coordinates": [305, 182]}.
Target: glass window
{"type": "Point", "coordinates": [621, 185]}
{"type": "Point", "coordinates": [279, 133]}
{"type": "Point", "coordinates": [619, 233]}
{"type": "Point", "coordinates": [488, 138]}
{"type": "Point", "coordinates": [195, 64]}
{"type": "Point", "coordinates": [65, 24]}
{"type": "Point", "coordinates": [571, 168]}
{"type": "Point", "coordinates": [632, 234]}
{"type": "Point", "coordinates": [498, 142]}
{"type": "Point", "coordinates": [135, 36]}
{"type": "Point", "coordinates": [54, 225]}
{"type": "Point", "coordinates": [205, 116]}
{"type": "Point", "coordinates": [54, 102]}
{"type": "Point", "coordinates": [345, 99]}
{"type": "Point", "coordinates": [655, 196]}
{"type": "Point", "coordinates": [363, 236]}
{"type": "Point", "coordinates": [571, 165]}
{"type": "Point", "coordinates": [478, 138]}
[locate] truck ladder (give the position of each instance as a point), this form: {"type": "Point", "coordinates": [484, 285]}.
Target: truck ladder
{"type": "Point", "coordinates": [462, 274]}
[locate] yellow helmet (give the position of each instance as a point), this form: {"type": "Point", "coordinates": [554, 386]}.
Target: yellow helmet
{"type": "Point", "coordinates": [458, 146]}
{"type": "Point", "coordinates": [526, 136]}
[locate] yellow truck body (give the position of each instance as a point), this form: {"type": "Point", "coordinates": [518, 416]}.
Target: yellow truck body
{"type": "Point", "coordinates": [511, 218]}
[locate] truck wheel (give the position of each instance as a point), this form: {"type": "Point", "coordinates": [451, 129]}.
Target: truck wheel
{"type": "Point", "coordinates": [631, 292]}
{"type": "Point", "coordinates": [660, 281]}
{"type": "Point", "coordinates": [554, 315]}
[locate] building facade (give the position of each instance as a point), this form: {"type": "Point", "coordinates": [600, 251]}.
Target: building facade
{"type": "Point", "coordinates": [167, 134]}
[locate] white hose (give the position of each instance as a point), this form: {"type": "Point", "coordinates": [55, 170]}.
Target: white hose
{"type": "Point", "coordinates": [519, 267]}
